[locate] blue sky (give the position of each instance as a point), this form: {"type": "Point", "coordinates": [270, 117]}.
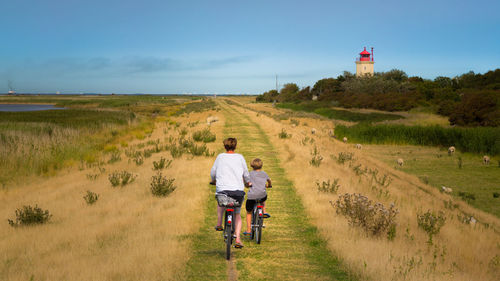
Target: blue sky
{"type": "Point", "coordinates": [168, 47]}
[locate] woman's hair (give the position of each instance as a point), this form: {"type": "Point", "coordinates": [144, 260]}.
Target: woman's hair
{"type": "Point", "coordinates": [256, 164]}
{"type": "Point", "coordinates": [230, 144]}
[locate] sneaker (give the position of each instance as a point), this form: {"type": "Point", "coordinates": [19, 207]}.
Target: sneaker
{"type": "Point", "coordinates": [219, 228]}
{"type": "Point", "coordinates": [266, 215]}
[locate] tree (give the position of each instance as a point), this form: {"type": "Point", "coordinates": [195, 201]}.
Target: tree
{"type": "Point", "coordinates": [288, 92]}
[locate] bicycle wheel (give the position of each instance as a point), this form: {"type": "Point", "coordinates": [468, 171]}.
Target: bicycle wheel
{"type": "Point", "coordinates": [258, 230]}
{"type": "Point", "coordinates": [254, 216]}
{"type": "Point", "coordinates": [229, 238]}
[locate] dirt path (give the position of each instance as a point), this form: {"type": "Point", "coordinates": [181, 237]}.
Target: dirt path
{"type": "Point", "coordinates": [291, 248]}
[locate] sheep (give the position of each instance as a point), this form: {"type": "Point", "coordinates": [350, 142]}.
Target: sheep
{"type": "Point", "coordinates": [400, 162]}
{"type": "Point", "coordinates": [446, 189]}
{"type": "Point", "coordinates": [293, 125]}
{"type": "Point", "coordinates": [313, 131]}
{"type": "Point", "coordinates": [486, 160]}
{"type": "Point", "coordinates": [212, 119]}
{"type": "Point", "coordinates": [451, 150]}
{"type": "Point", "coordinates": [345, 139]}
{"type": "Point", "coordinates": [330, 133]}
{"type": "Point", "coordinates": [358, 146]}
{"type": "Point", "coordinates": [472, 221]}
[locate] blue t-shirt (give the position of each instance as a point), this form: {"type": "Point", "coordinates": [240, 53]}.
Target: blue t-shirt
{"type": "Point", "coordinates": [258, 189]}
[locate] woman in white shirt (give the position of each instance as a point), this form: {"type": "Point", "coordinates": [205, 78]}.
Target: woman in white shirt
{"type": "Point", "coordinates": [230, 174]}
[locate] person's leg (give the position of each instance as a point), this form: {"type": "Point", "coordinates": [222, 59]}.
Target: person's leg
{"type": "Point", "coordinates": [264, 207]}
{"type": "Point", "coordinates": [249, 221]}
{"type": "Point", "coordinates": [237, 227]}
{"type": "Point", "coordinates": [220, 214]}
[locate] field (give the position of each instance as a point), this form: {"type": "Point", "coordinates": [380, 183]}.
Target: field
{"type": "Point", "coordinates": [131, 234]}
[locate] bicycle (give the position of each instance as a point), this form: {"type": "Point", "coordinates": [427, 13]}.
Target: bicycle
{"type": "Point", "coordinates": [228, 203]}
{"type": "Point", "coordinates": [257, 221]}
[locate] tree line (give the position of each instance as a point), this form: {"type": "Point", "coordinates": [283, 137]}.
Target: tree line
{"type": "Point", "coordinates": [471, 99]}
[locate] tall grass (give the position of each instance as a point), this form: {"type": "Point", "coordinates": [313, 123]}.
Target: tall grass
{"type": "Point", "coordinates": [43, 141]}
{"type": "Point", "coordinates": [325, 110]}
{"type": "Point", "coordinates": [477, 140]}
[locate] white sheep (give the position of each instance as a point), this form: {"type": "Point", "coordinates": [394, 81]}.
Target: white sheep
{"type": "Point", "coordinates": [212, 119]}
{"type": "Point", "coordinates": [486, 160]}
{"type": "Point", "coordinates": [345, 139]}
{"type": "Point", "coordinates": [313, 131]}
{"type": "Point", "coordinates": [472, 221]}
{"type": "Point", "coordinates": [446, 189]}
{"type": "Point", "coordinates": [358, 146]}
{"type": "Point", "coordinates": [451, 150]}
{"type": "Point", "coordinates": [400, 162]}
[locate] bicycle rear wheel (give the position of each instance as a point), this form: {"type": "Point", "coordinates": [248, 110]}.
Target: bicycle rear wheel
{"type": "Point", "coordinates": [229, 238]}
{"type": "Point", "coordinates": [254, 223]}
{"type": "Point", "coordinates": [258, 230]}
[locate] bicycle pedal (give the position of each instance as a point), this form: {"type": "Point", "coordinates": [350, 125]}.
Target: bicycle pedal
{"type": "Point", "coordinates": [263, 226]}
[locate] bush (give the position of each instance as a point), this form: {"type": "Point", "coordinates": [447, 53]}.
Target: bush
{"type": "Point", "coordinates": [431, 223]}
{"type": "Point", "coordinates": [121, 178]}
{"type": "Point", "coordinates": [91, 197]}
{"type": "Point", "coordinates": [204, 136]}
{"type": "Point", "coordinates": [466, 196]}
{"type": "Point", "coordinates": [284, 135]}
{"type": "Point", "coordinates": [316, 157]}
{"type": "Point", "coordinates": [162, 164]}
{"type": "Point", "coordinates": [344, 157]}
{"type": "Point", "coordinates": [327, 186]}
{"type": "Point", "coordinates": [201, 150]}
{"type": "Point", "coordinates": [374, 218]}
{"type": "Point", "coordinates": [115, 157]}
{"type": "Point", "coordinates": [162, 186]}
{"type": "Point", "coordinates": [28, 215]}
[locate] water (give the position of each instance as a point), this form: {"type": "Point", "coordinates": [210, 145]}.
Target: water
{"type": "Point", "coordinates": [27, 107]}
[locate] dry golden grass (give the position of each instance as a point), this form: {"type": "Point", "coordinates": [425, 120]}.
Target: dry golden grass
{"type": "Point", "coordinates": [460, 251]}
{"type": "Point", "coordinates": [128, 234]}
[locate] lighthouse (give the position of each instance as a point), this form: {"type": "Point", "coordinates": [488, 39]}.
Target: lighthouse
{"type": "Point", "coordinates": [364, 64]}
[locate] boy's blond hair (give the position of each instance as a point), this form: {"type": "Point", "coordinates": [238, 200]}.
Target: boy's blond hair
{"type": "Point", "coordinates": [256, 164]}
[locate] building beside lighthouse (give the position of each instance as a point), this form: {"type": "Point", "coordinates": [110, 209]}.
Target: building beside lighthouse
{"type": "Point", "coordinates": [364, 64]}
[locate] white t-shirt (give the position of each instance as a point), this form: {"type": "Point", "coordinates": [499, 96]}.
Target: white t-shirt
{"type": "Point", "coordinates": [229, 170]}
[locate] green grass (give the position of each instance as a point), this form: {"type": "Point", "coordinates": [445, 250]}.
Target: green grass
{"type": "Point", "coordinates": [204, 105]}
{"type": "Point", "coordinates": [41, 142]}
{"type": "Point", "coordinates": [435, 167]}
{"type": "Point", "coordinates": [476, 140]}
{"type": "Point", "coordinates": [346, 115]}
{"type": "Point", "coordinates": [291, 247]}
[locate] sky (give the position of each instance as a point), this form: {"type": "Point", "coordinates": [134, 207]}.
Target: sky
{"type": "Point", "coordinates": [234, 47]}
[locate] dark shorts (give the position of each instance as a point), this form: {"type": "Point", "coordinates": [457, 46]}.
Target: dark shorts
{"type": "Point", "coordinates": [251, 203]}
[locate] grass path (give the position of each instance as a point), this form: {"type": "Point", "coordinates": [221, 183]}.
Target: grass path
{"type": "Point", "coordinates": [291, 248]}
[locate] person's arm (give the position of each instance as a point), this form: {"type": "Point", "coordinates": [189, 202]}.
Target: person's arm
{"type": "Point", "coordinates": [269, 184]}
{"type": "Point", "coordinates": [213, 172]}
{"type": "Point", "coordinates": [246, 175]}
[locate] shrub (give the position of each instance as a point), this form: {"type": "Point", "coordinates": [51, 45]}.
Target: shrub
{"type": "Point", "coordinates": [200, 150]}
{"type": "Point", "coordinates": [175, 151]}
{"type": "Point", "coordinates": [91, 197]}
{"type": "Point", "coordinates": [204, 136]}
{"type": "Point", "coordinates": [466, 196]}
{"type": "Point", "coordinates": [121, 178]}
{"type": "Point", "coordinates": [316, 157]}
{"type": "Point", "coordinates": [496, 194]}
{"type": "Point", "coordinates": [294, 122]}
{"type": "Point", "coordinates": [327, 186]}
{"type": "Point", "coordinates": [162, 186]}
{"type": "Point", "coordinates": [138, 159]}
{"type": "Point", "coordinates": [431, 223]}
{"type": "Point", "coordinates": [374, 218]}
{"type": "Point", "coordinates": [284, 134]}
{"type": "Point", "coordinates": [28, 215]}
{"type": "Point", "coordinates": [162, 164]}
{"type": "Point", "coordinates": [115, 157]}
{"type": "Point", "coordinates": [344, 157]}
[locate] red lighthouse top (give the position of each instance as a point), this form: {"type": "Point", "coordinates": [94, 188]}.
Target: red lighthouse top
{"type": "Point", "coordinates": [365, 55]}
